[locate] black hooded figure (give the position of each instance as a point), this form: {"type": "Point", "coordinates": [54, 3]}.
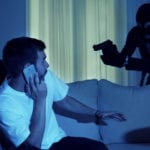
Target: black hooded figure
{"type": "Point", "coordinates": [138, 37]}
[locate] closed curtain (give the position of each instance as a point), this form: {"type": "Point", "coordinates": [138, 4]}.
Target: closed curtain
{"type": "Point", "coordinates": [69, 29]}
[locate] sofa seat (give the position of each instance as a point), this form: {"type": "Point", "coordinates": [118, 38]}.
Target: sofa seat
{"type": "Point", "coordinates": [128, 146]}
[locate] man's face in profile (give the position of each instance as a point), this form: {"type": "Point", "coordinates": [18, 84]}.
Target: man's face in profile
{"type": "Point", "coordinates": [41, 64]}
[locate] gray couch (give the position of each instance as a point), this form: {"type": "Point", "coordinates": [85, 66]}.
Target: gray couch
{"type": "Point", "coordinates": [133, 102]}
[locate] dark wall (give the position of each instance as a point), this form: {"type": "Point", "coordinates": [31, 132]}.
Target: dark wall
{"type": "Point", "coordinates": [12, 20]}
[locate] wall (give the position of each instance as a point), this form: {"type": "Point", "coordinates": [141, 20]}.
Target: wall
{"type": "Point", "coordinates": [13, 20]}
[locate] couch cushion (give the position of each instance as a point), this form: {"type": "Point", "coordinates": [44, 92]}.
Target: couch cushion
{"type": "Point", "coordinates": [134, 103]}
{"type": "Point", "coordinates": [85, 91]}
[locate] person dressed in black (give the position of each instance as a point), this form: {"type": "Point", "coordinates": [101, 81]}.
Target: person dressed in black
{"type": "Point", "coordinates": [138, 37]}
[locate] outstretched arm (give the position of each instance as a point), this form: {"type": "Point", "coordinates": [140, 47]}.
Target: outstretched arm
{"type": "Point", "coordinates": [73, 108]}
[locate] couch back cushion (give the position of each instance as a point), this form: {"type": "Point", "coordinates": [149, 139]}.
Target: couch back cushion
{"type": "Point", "coordinates": [134, 103]}
{"type": "Point", "coordinates": [85, 91]}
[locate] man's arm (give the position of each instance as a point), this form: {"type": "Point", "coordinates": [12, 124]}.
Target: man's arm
{"type": "Point", "coordinates": [38, 91]}
{"type": "Point", "coordinates": [37, 124]}
{"type": "Point", "coordinates": [73, 108]}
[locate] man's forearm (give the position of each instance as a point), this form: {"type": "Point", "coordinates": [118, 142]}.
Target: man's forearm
{"type": "Point", "coordinates": [73, 108]}
{"type": "Point", "coordinates": [80, 107]}
{"type": "Point", "coordinates": [37, 124]}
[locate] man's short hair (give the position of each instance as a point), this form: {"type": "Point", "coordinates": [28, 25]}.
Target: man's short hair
{"type": "Point", "coordinates": [20, 51]}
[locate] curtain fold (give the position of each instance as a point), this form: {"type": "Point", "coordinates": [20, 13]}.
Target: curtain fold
{"type": "Point", "coordinates": [70, 28]}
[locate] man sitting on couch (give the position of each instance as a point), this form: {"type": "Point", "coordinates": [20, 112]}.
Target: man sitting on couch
{"type": "Point", "coordinates": [27, 107]}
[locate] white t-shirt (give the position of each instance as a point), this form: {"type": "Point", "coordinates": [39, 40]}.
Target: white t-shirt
{"type": "Point", "coordinates": [16, 110]}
